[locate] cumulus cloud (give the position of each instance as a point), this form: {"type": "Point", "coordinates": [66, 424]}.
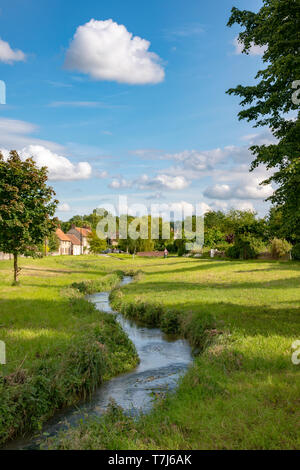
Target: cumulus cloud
{"type": "Point", "coordinates": [59, 167]}
{"type": "Point", "coordinates": [232, 204]}
{"type": "Point", "coordinates": [9, 55]}
{"type": "Point", "coordinates": [119, 183]}
{"type": "Point", "coordinates": [15, 134]}
{"type": "Point", "coordinates": [105, 50]}
{"type": "Point", "coordinates": [254, 48]}
{"type": "Point", "coordinates": [221, 174]}
{"type": "Point", "coordinates": [163, 181]}
{"type": "Point", "coordinates": [180, 210]}
{"type": "Point", "coordinates": [199, 160]}
{"type": "Point", "coordinates": [248, 188]}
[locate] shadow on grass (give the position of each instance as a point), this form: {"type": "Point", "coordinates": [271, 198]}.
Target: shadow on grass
{"type": "Point", "coordinates": [62, 271]}
{"type": "Point", "coordinates": [200, 265]}
{"type": "Point", "coordinates": [250, 319]}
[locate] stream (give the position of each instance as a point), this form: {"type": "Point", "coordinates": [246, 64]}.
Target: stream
{"type": "Point", "coordinates": [163, 359]}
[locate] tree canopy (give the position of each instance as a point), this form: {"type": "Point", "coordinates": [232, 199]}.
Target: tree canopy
{"type": "Point", "coordinates": [27, 207]}
{"type": "Point", "coordinates": [272, 100]}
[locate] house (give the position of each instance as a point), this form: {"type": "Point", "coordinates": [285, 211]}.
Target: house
{"type": "Point", "coordinates": [4, 256]}
{"type": "Point", "coordinates": [65, 244]}
{"type": "Point", "coordinates": [76, 247]}
{"type": "Point", "coordinates": [81, 233]}
{"type": "Point", "coordinates": [68, 244]}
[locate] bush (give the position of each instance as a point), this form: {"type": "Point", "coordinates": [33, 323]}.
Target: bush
{"type": "Point", "coordinates": [169, 322]}
{"type": "Point", "coordinates": [233, 252]}
{"type": "Point", "coordinates": [296, 252]}
{"type": "Point", "coordinates": [280, 248]}
{"type": "Point", "coordinates": [245, 247]}
{"type": "Point", "coordinates": [181, 251]}
{"type": "Point", "coordinates": [223, 246]}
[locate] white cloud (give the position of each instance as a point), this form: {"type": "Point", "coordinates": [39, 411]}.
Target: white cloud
{"type": "Point", "coordinates": [232, 204]}
{"type": "Point", "coordinates": [59, 167]}
{"type": "Point", "coordinates": [101, 174]}
{"type": "Point", "coordinates": [221, 174]}
{"type": "Point", "coordinates": [15, 134]}
{"type": "Point", "coordinates": [247, 188]}
{"type": "Point", "coordinates": [218, 191]}
{"type": "Point", "coordinates": [254, 48]}
{"type": "Point", "coordinates": [163, 181]}
{"type": "Point", "coordinates": [181, 209]}
{"type": "Point", "coordinates": [8, 55]}
{"type": "Point", "coordinates": [263, 138]}
{"type": "Point", "coordinates": [63, 207]}
{"type": "Point", "coordinates": [119, 183]}
{"type": "Point", "coordinates": [199, 160]}
{"type": "Point", "coordinates": [156, 196]}
{"type": "Point", "coordinates": [105, 50]}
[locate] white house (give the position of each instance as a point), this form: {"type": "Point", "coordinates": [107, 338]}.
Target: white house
{"type": "Point", "coordinates": [76, 247]}
{"type": "Point", "coordinates": [81, 233]}
{"type": "Point", "coordinates": [65, 245]}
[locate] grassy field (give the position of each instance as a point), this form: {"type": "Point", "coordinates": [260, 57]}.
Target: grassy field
{"type": "Point", "coordinates": [58, 346]}
{"type": "Point", "coordinates": [241, 317]}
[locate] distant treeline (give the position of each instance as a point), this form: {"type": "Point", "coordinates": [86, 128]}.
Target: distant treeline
{"type": "Point", "coordinates": [221, 231]}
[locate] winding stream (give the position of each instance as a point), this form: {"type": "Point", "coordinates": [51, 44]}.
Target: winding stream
{"type": "Point", "coordinates": [162, 360]}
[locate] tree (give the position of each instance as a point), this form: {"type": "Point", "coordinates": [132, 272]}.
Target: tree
{"type": "Point", "coordinates": [276, 28]}
{"type": "Point", "coordinates": [26, 207]}
{"type": "Point", "coordinates": [97, 245]}
{"type": "Point", "coordinates": [214, 219]}
{"type": "Point", "coordinates": [53, 242]}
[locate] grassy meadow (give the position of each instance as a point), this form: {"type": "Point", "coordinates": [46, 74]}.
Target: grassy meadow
{"type": "Point", "coordinates": [241, 317]}
{"type": "Point", "coordinates": [58, 346]}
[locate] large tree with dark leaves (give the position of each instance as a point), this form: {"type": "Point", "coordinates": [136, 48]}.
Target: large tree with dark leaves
{"type": "Point", "coordinates": [26, 207]}
{"type": "Point", "coordinates": [274, 100]}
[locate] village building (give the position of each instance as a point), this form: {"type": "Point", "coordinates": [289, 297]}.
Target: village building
{"type": "Point", "coordinates": [65, 244]}
{"type": "Point", "coordinates": [81, 233]}
{"type": "Point", "coordinates": [76, 247]}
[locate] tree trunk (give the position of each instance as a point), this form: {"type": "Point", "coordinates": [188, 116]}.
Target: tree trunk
{"type": "Point", "coordinates": [16, 269]}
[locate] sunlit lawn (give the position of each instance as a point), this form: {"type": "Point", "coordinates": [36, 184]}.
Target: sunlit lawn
{"type": "Point", "coordinates": [242, 392]}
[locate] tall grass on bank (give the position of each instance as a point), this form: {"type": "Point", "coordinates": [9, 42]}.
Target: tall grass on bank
{"type": "Point", "coordinates": [59, 346]}
{"type": "Point", "coordinates": [242, 391]}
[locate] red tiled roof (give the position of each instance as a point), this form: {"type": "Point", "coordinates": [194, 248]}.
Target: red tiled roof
{"type": "Point", "coordinates": [62, 236]}
{"type": "Point", "coordinates": [84, 231]}
{"type": "Point", "coordinates": [74, 240]}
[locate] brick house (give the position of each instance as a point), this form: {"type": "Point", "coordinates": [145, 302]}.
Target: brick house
{"type": "Point", "coordinates": [81, 233]}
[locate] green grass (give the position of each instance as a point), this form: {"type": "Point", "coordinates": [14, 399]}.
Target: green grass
{"type": "Point", "coordinates": [242, 391]}
{"type": "Point", "coordinates": [58, 346]}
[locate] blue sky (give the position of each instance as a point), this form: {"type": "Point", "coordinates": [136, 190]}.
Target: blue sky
{"type": "Point", "coordinates": [111, 114]}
